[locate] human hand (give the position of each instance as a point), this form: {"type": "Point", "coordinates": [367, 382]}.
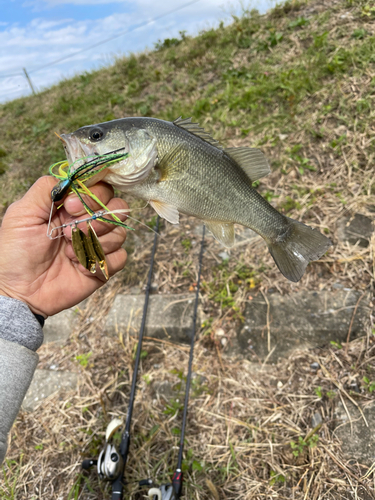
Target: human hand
{"type": "Point", "coordinates": [45, 273]}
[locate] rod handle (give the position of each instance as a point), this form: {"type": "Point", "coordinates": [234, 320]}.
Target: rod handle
{"type": "Point", "coordinates": [177, 482]}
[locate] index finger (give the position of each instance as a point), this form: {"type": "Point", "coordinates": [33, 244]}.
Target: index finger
{"type": "Point", "coordinates": [102, 190]}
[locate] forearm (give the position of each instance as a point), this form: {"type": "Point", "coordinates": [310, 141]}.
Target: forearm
{"type": "Point", "coordinates": [20, 337]}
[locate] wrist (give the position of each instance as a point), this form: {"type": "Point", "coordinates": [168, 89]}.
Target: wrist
{"type": "Point", "coordinates": [37, 312]}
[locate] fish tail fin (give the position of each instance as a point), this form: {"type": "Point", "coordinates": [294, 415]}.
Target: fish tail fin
{"type": "Point", "coordinates": [294, 248]}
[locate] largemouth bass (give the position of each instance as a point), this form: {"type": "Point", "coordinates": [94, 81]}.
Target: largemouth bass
{"type": "Point", "coordinates": [178, 167]}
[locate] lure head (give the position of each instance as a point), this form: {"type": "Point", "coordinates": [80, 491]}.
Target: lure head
{"type": "Point", "coordinates": [59, 191]}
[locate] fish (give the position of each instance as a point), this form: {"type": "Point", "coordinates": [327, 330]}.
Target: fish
{"type": "Point", "coordinates": [178, 167]}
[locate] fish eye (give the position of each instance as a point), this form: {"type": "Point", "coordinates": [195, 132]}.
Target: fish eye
{"type": "Point", "coordinates": [96, 134]}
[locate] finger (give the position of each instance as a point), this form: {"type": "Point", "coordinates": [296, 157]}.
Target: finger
{"type": "Point", "coordinates": [110, 242]}
{"type": "Point", "coordinates": [74, 206]}
{"type": "Point", "coordinates": [36, 203]}
{"type": "Point", "coordinates": [99, 227]}
{"type": "Point", "coordinates": [116, 262]}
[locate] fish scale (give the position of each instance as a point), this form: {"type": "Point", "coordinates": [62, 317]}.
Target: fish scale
{"type": "Point", "coordinates": [179, 168]}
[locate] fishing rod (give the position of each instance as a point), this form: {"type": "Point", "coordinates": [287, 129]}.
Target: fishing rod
{"type": "Point", "coordinates": [118, 485]}
{"type": "Point", "coordinates": [111, 462]}
{"type": "Point", "coordinates": [178, 476]}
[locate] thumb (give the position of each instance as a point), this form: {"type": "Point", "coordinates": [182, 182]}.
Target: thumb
{"type": "Point", "coordinates": [35, 206]}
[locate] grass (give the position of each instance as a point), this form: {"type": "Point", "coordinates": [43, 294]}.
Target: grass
{"type": "Point", "coordinates": [299, 84]}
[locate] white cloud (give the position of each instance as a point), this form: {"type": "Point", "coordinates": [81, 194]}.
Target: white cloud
{"type": "Point", "coordinates": [43, 41]}
{"type": "Point", "coordinates": [47, 4]}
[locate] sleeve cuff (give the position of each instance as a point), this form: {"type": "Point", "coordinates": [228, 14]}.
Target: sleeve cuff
{"type": "Point", "coordinates": [18, 324]}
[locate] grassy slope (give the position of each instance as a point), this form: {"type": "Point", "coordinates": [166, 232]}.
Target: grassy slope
{"type": "Point", "coordinates": [300, 84]}
{"type": "Point", "coordinates": [300, 72]}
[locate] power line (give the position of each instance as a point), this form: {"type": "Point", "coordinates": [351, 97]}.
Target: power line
{"type": "Point", "coordinates": [137, 26]}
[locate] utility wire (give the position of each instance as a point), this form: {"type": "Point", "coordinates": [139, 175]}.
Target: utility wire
{"type": "Point", "coordinates": [114, 37]}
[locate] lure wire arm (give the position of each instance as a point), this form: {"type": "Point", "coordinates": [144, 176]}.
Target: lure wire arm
{"type": "Point", "coordinates": [95, 216]}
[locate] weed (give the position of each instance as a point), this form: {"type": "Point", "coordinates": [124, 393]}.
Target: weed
{"type": "Point", "coordinates": [186, 243]}
{"type": "Point", "coordinates": [336, 344]}
{"type": "Point", "coordinates": [359, 33]}
{"type": "Point", "coordinates": [370, 386]}
{"type": "Point", "coordinates": [76, 489]}
{"type": "Point", "coordinates": [276, 478]}
{"type": "Point", "coordinates": [298, 23]}
{"type": "Point", "coordinates": [319, 392]}
{"type": "Point", "coordinates": [10, 477]}
{"type": "Point", "coordinates": [173, 407]}
{"type": "Point", "coordinates": [83, 359]}
{"type": "Point", "coordinates": [144, 353]}
{"type": "Point", "coordinates": [301, 445]}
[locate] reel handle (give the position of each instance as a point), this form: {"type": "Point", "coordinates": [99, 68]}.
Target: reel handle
{"type": "Point", "coordinates": [88, 463]}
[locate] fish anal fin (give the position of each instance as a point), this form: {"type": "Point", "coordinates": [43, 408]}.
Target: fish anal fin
{"type": "Point", "coordinates": [222, 231]}
{"type": "Point", "coordinates": [196, 130]}
{"type": "Point", "coordinates": [167, 212]}
{"type": "Point", "coordinates": [251, 160]}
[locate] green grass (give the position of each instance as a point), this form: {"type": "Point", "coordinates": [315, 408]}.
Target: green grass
{"type": "Point", "coordinates": [243, 78]}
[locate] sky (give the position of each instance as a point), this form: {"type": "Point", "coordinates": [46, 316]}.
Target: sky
{"type": "Point", "coordinates": [34, 34]}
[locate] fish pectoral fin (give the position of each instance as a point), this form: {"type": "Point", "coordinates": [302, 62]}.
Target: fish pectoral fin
{"type": "Point", "coordinates": [251, 160]}
{"type": "Point", "coordinates": [196, 130]}
{"type": "Point", "coordinates": [174, 162]}
{"type": "Point", "coordinates": [167, 212]}
{"type": "Point", "coordinates": [222, 231]}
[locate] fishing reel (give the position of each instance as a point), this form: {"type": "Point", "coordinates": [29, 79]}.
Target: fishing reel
{"type": "Point", "coordinates": [110, 463]}
{"type": "Point", "coordinates": [110, 466]}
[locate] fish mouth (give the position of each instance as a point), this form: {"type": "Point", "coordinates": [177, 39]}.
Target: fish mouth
{"type": "Point", "coordinates": [75, 149]}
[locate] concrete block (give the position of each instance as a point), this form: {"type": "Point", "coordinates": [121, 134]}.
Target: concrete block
{"type": "Point", "coordinates": [168, 316]}
{"type": "Point", "coordinates": [301, 320]}
{"type": "Point", "coordinates": [45, 383]}
{"type": "Point", "coordinates": [359, 444]}
{"type": "Point", "coordinates": [356, 229]}
{"type": "Point", "coordinates": [57, 328]}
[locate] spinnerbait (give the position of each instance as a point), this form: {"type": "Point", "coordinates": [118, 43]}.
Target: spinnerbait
{"type": "Point", "coordinates": [87, 248]}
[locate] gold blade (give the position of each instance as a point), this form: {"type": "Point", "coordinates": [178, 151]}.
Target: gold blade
{"type": "Point", "coordinates": [100, 255]}
{"type": "Point", "coordinates": [84, 250]}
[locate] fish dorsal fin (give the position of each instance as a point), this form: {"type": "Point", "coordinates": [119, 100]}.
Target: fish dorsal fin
{"type": "Point", "coordinates": [174, 162]}
{"type": "Point", "coordinates": [251, 160]}
{"type": "Point", "coordinates": [196, 130]}
{"type": "Point", "coordinates": [222, 231]}
{"type": "Point", "coordinates": [167, 212]}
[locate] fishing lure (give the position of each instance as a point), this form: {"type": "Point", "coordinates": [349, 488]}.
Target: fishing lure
{"type": "Point", "coordinates": [72, 178]}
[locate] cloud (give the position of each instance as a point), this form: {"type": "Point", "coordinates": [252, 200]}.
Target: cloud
{"type": "Point", "coordinates": [44, 40]}
{"type": "Point", "coordinates": [48, 4]}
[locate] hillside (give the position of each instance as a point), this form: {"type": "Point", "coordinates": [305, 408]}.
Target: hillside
{"type": "Point", "coordinates": [299, 83]}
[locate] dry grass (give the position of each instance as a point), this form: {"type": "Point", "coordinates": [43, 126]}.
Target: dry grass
{"type": "Point", "coordinates": [243, 418]}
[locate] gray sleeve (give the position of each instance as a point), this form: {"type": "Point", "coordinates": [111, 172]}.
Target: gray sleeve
{"type": "Point", "coordinates": [20, 336]}
{"type": "Point", "coordinates": [18, 324]}
{"type": "Point", "coordinates": [17, 366]}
